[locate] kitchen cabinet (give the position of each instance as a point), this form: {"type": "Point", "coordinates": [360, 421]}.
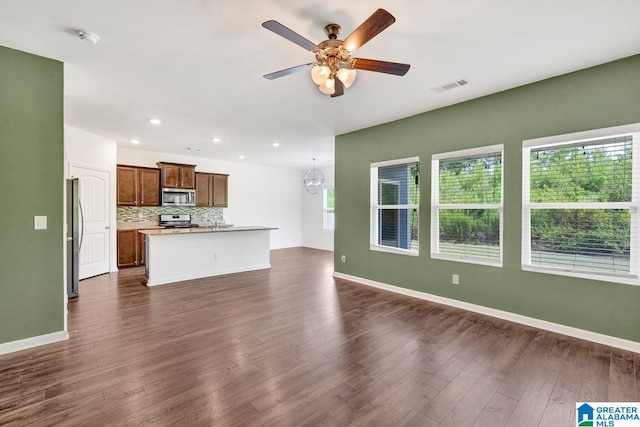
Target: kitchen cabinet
{"type": "Point", "coordinates": [211, 190]}
{"type": "Point", "coordinates": [176, 175]}
{"type": "Point", "coordinates": [141, 249]}
{"type": "Point", "coordinates": [203, 189]}
{"type": "Point", "coordinates": [137, 186]}
{"type": "Point", "coordinates": [220, 190]}
{"type": "Point", "coordinates": [131, 251]}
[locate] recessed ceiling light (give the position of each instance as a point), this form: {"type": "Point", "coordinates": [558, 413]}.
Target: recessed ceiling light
{"type": "Point", "coordinates": [135, 141]}
{"type": "Point", "coordinates": [216, 139]}
{"type": "Point", "coordinates": [276, 144]}
{"type": "Point", "coordinates": [155, 121]}
{"type": "Point", "coordinates": [241, 156]}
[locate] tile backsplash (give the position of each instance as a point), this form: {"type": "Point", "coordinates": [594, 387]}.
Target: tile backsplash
{"type": "Point", "coordinates": [133, 214]}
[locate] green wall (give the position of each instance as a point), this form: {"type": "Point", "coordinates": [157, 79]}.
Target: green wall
{"type": "Point", "coordinates": [602, 96]}
{"type": "Point", "coordinates": [32, 176]}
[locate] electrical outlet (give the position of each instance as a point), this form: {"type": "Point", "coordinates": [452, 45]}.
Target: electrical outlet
{"type": "Point", "coordinates": [140, 215]}
{"type": "Point", "coordinates": [39, 222]}
{"type": "Point", "coordinates": [455, 279]}
{"type": "Point", "coordinates": [343, 258]}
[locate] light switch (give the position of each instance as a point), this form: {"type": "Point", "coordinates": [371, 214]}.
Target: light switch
{"type": "Point", "coordinates": [40, 222]}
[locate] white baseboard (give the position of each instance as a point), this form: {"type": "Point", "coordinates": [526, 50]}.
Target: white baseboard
{"type": "Point", "coordinates": [505, 315]}
{"type": "Point", "coordinates": [19, 345]}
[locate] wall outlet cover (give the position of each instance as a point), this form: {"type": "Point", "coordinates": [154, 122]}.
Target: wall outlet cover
{"type": "Point", "coordinates": [39, 222]}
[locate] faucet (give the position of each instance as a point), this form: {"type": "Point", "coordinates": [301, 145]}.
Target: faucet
{"type": "Point", "coordinates": [212, 224]}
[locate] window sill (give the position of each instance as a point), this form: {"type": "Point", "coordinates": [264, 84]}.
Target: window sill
{"type": "Point", "coordinates": [391, 250]}
{"type": "Point", "coordinates": [468, 260]}
{"type": "Point", "coordinates": [624, 279]}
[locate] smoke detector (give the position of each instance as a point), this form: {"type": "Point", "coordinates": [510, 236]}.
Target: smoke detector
{"type": "Point", "coordinates": [89, 37]}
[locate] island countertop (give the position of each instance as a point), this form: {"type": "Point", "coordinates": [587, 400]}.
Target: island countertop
{"type": "Point", "coordinates": [198, 230]}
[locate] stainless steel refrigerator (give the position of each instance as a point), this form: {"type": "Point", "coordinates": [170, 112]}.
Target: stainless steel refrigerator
{"type": "Point", "coordinates": [74, 236]}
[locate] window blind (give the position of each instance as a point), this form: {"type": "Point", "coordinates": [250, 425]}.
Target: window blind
{"type": "Point", "coordinates": [398, 184]}
{"type": "Point", "coordinates": [580, 206]}
{"type": "Point", "coordinates": [474, 180]}
{"type": "Point", "coordinates": [395, 205]}
{"type": "Point", "coordinates": [467, 205]}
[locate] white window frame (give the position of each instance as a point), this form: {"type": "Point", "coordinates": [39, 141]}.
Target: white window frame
{"type": "Point", "coordinates": [633, 206]}
{"type": "Point", "coordinates": [375, 207]}
{"type": "Point", "coordinates": [325, 210]}
{"type": "Point", "coordinates": [436, 206]}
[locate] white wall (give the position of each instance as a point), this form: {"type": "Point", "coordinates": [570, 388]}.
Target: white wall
{"type": "Point", "coordinates": [89, 150]}
{"type": "Point", "coordinates": [258, 195]}
{"type": "Point", "coordinates": [313, 233]}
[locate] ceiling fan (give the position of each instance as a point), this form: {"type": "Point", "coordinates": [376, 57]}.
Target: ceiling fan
{"type": "Point", "coordinates": [334, 68]}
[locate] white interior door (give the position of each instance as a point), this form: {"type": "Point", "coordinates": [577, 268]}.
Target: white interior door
{"type": "Point", "coordinates": [94, 201]}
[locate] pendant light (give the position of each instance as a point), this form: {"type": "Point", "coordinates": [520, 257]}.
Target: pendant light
{"type": "Point", "coordinates": [313, 180]}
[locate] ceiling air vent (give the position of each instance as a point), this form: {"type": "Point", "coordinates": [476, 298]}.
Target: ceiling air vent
{"type": "Point", "coordinates": [451, 85]}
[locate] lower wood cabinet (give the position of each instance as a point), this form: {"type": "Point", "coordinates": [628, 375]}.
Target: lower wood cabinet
{"type": "Point", "coordinates": [131, 249]}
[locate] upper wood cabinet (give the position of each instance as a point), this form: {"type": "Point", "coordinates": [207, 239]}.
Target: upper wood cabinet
{"type": "Point", "coordinates": [138, 186]}
{"type": "Point", "coordinates": [211, 190]}
{"type": "Point", "coordinates": [175, 175]}
{"type": "Point", "coordinates": [127, 184]}
{"type": "Point", "coordinates": [203, 189]}
{"type": "Point", "coordinates": [220, 190]}
{"type": "Point", "coordinates": [149, 187]}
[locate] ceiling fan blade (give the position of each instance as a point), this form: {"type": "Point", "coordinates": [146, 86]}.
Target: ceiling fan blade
{"type": "Point", "coordinates": [379, 66]}
{"type": "Point", "coordinates": [287, 71]}
{"type": "Point", "coordinates": [290, 35]}
{"type": "Point", "coordinates": [370, 28]}
{"type": "Point", "coordinates": [339, 86]}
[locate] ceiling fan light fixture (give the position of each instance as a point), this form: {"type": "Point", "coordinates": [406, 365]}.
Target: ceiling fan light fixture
{"type": "Point", "coordinates": [347, 76]}
{"type": "Point", "coordinates": [320, 74]}
{"type": "Point", "coordinates": [333, 58]}
{"type": "Point", "coordinates": [328, 87]}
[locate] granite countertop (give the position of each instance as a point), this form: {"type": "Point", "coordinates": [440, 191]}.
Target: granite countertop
{"type": "Point", "coordinates": [141, 225]}
{"type": "Point", "coordinates": [198, 230]}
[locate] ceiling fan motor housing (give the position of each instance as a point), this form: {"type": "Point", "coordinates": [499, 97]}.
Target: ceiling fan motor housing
{"type": "Point", "coordinates": [333, 55]}
{"type": "Point", "coordinates": [332, 31]}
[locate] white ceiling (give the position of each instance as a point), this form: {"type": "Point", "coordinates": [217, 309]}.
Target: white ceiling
{"type": "Point", "coordinates": [198, 64]}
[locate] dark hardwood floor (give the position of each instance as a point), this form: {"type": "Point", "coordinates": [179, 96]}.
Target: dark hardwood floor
{"type": "Point", "coordinates": [292, 346]}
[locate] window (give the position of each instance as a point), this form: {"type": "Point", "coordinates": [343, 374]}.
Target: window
{"type": "Point", "coordinates": [580, 204]}
{"type": "Point", "coordinates": [329, 208]}
{"type": "Point", "coordinates": [395, 198]}
{"type": "Point", "coordinates": [466, 208]}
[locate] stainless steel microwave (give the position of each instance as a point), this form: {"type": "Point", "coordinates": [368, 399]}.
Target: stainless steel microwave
{"type": "Point", "coordinates": [178, 197]}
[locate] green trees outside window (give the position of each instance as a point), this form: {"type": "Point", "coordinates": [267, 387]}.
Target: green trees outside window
{"type": "Point", "coordinates": [580, 198]}
{"type": "Point", "coordinates": [467, 192]}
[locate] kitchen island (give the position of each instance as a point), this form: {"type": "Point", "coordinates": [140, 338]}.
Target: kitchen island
{"type": "Point", "coordinates": [174, 255]}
